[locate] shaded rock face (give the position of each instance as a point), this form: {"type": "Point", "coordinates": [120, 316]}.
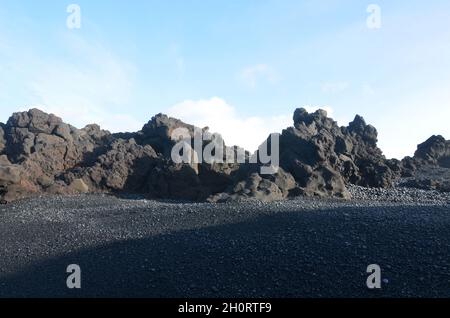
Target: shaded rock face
{"type": "Point", "coordinates": [121, 167]}
{"type": "Point", "coordinates": [323, 157]}
{"type": "Point", "coordinates": [195, 181]}
{"type": "Point", "coordinates": [430, 166]}
{"type": "Point", "coordinates": [435, 151]}
{"type": "Point", "coordinates": [250, 185]}
{"type": "Point", "coordinates": [39, 153]}
{"type": "Point", "coordinates": [318, 158]}
{"type": "Point", "coordinates": [2, 139]}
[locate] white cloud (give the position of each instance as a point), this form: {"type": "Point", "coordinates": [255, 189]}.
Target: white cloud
{"type": "Point", "coordinates": [252, 75]}
{"type": "Point", "coordinates": [246, 132]}
{"type": "Point", "coordinates": [221, 117]}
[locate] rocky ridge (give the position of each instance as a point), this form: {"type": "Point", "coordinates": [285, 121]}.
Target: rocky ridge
{"type": "Point", "coordinates": [40, 154]}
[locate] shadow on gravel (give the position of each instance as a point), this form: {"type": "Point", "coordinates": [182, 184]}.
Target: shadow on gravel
{"type": "Point", "coordinates": [307, 254]}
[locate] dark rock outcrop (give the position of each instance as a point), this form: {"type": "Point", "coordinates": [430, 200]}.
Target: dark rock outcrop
{"type": "Point", "coordinates": [2, 139]}
{"type": "Point", "coordinates": [249, 184]}
{"type": "Point", "coordinates": [323, 157]}
{"type": "Point", "coordinates": [141, 163]}
{"type": "Point", "coordinates": [435, 151]}
{"type": "Point", "coordinates": [194, 181]}
{"type": "Point", "coordinates": [121, 167]}
{"type": "Point", "coordinates": [430, 166]}
{"type": "Point", "coordinates": [318, 158]}
{"type": "Point", "coordinates": [43, 146]}
{"type": "Point", "coordinates": [39, 153]}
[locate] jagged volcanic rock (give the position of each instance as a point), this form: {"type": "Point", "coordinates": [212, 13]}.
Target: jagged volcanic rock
{"type": "Point", "coordinates": [318, 158]}
{"type": "Point", "coordinates": [2, 139]}
{"type": "Point", "coordinates": [250, 184]}
{"type": "Point", "coordinates": [121, 167]}
{"type": "Point", "coordinates": [39, 153]}
{"type": "Point", "coordinates": [435, 151]}
{"type": "Point", "coordinates": [430, 166]}
{"type": "Point", "coordinates": [141, 163]}
{"type": "Point", "coordinates": [317, 146]}
{"type": "Point", "coordinates": [42, 146]}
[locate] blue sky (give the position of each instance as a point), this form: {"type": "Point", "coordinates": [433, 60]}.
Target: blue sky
{"type": "Point", "coordinates": [238, 66]}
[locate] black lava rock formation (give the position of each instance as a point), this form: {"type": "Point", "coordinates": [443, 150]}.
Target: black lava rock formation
{"type": "Point", "coordinates": [40, 154]}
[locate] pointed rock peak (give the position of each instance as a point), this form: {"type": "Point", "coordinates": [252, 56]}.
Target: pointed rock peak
{"type": "Point", "coordinates": [358, 122]}
{"type": "Point", "coordinates": [434, 148]}
{"type": "Point", "coordinates": [160, 116]}
{"type": "Point", "coordinates": [301, 115]}
{"type": "Point", "coordinates": [321, 113]}
{"type": "Point", "coordinates": [359, 127]}
{"type": "Point", "coordinates": [435, 139]}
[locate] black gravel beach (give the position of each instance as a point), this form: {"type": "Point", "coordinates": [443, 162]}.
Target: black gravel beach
{"type": "Point", "coordinates": [295, 248]}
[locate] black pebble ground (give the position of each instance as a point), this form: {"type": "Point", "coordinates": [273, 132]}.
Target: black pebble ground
{"type": "Point", "coordinates": [296, 248]}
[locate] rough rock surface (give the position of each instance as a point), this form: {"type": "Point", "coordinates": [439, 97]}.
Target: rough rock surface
{"type": "Point", "coordinates": [323, 157]}
{"type": "Point", "coordinates": [41, 146]}
{"type": "Point", "coordinates": [435, 151]}
{"type": "Point", "coordinates": [259, 187]}
{"type": "Point", "coordinates": [2, 139]}
{"type": "Point", "coordinates": [126, 163]}
{"type": "Point", "coordinates": [195, 181]}
{"type": "Point", "coordinates": [117, 169]}
{"type": "Point", "coordinates": [430, 167]}
{"type": "Point", "coordinates": [319, 158]}
{"type": "Point", "coordinates": [39, 153]}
